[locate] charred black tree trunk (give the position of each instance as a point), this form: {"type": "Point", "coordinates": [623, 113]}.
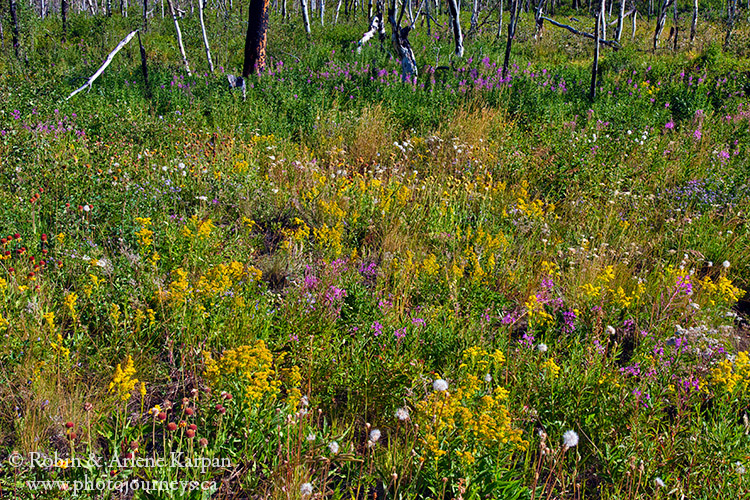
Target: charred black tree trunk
{"type": "Point", "coordinates": [64, 15]}
{"type": "Point", "coordinates": [511, 35]}
{"type": "Point", "coordinates": [595, 66]}
{"type": "Point", "coordinates": [14, 29]}
{"type": "Point", "coordinates": [144, 68]}
{"type": "Point", "coordinates": [255, 41]}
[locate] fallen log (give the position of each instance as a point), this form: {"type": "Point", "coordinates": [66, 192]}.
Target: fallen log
{"type": "Point", "coordinates": [609, 43]}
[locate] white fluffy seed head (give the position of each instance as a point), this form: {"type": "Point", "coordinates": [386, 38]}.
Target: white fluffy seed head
{"type": "Point", "coordinates": [402, 414]}
{"type": "Point", "coordinates": [440, 385]}
{"type": "Point", "coordinates": [374, 435]}
{"type": "Point", "coordinates": [334, 447]}
{"type": "Point", "coordinates": [570, 439]}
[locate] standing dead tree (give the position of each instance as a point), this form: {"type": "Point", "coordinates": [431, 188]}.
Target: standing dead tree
{"type": "Point", "coordinates": [400, 39]}
{"type": "Point", "coordinates": [172, 10]}
{"type": "Point", "coordinates": [305, 16]}
{"type": "Point", "coordinates": [660, 20]}
{"type": "Point", "coordinates": [731, 13]}
{"type": "Point", "coordinates": [14, 29]}
{"type": "Point", "coordinates": [255, 41]}
{"type": "Point", "coordinates": [694, 23]}
{"type": "Point", "coordinates": [205, 37]}
{"type": "Point", "coordinates": [514, 4]}
{"type": "Point", "coordinates": [595, 65]}
{"type": "Point", "coordinates": [458, 37]}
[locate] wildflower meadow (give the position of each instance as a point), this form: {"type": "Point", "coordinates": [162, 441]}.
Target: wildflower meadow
{"type": "Point", "coordinates": [351, 284]}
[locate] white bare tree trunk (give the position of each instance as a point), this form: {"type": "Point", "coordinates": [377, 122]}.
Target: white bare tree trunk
{"type": "Point", "coordinates": [458, 37]}
{"type": "Point", "coordinates": [694, 23]}
{"type": "Point", "coordinates": [179, 37]}
{"type": "Point", "coordinates": [620, 19]}
{"type": "Point", "coordinates": [305, 16]}
{"type": "Point", "coordinates": [205, 37]}
{"type": "Point", "coordinates": [500, 21]}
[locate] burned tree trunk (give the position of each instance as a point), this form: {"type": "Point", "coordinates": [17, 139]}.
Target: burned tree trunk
{"type": "Point", "coordinates": [511, 35]}
{"type": "Point", "coordinates": [64, 16]}
{"type": "Point", "coordinates": [14, 29]}
{"type": "Point", "coordinates": [400, 38]}
{"type": "Point", "coordinates": [660, 21]}
{"type": "Point", "coordinates": [172, 10]}
{"type": "Point", "coordinates": [474, 22]}
{"type": "Point", "coordinates": [694, 23]}
{"type": "Point", "coordinates": [205, 37]}
{"type": "Point", "coordinates": [305, 16]}
{"type": "Point", "coordinates": [595, 66]}
{"type": "Point", "coordinates": [376, 26]}
{"type": "Point", "coordinates": [255, 41]}
{"type": "Point", "coordinates": [539, 19]}
{"type": "Point", "coordinates": [458, 37]}
{"type": "Point", "coordinates": [144, 68]}
{"type": "Point", "coordinates": [145, 14]}
{"type": "Point", "coordinates": [731, 12]}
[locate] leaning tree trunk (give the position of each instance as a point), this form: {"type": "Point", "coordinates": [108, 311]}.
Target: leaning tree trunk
{"type": "Point", "coordinates": [14, 29]}
{"type": "Point", "coordinates": [172, 10]}
{"type": "Point", "coordinates": [205, 37]}
{"type": "Point", "coordinates": [456, 25]}
{"type": "Point", "coordinates": [255, 41]}
{"type": "Point", "coordinates": [305, 16]}
{"type": "Point", "coordinates": [620, 19]}
{"type": "Point", "coordinates": [635, 16]}
{"type": "Point", "coordinates": [322, 12]}
{"type": "Point", "coordinates": [595, 66]}
{"type": "Point", "coordinates": [694, 23]}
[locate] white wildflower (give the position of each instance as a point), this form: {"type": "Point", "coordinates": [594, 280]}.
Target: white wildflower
{"type": "Point", "coordinates": [488, 378]}
{"type": "Point", "coordinates": [306, 489]}
{"type": "Point", "coordinates": [611, 330]}
{"type": "Point", "coordinates": [725, 264]}
{"type": "Point", "coordinates": [541, 348]}
{"type": "Point", "coordinates": [311, 437]}
{"type": "Point", "coordinates": [659, 483]}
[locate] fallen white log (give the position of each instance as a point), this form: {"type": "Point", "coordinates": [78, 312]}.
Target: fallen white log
{"type": "Point", "coordinates": [609, 43]}
{"type": "Point", "coordinates": [106, 63]}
